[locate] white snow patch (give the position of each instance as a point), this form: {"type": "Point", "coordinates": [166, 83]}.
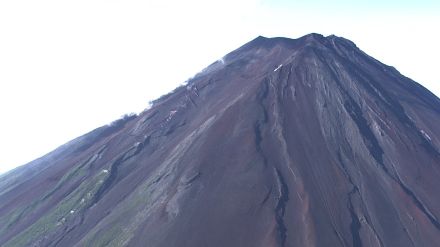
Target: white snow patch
{"type": "Point", "coordinates": [196, 91]}
{"type": "Point", "coordinates": [279, 66]}
{"type": "Point", "coordinates": [170, 116]}
{"type": "Point", "coordinates": [425, 135]}
{"type": "Point", "coordinates": [62, 221]}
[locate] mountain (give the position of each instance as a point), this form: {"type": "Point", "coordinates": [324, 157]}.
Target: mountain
{"type": "Point", "coordinates": [283, 142]}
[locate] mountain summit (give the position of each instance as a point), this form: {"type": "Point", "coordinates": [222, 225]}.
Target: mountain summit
{"type": "Point", "coordinates": [282, 142]}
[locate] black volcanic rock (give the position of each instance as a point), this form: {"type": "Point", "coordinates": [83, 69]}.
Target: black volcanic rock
{"type": "Point", "coordinates": [283, 142]}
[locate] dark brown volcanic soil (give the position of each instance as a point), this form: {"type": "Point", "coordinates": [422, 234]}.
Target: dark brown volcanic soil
{"type": "Point", "coordinates": [306, 142]}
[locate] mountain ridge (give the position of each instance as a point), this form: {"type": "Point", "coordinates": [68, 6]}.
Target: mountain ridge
{"type": "Point", "coordinates": [283, 142]}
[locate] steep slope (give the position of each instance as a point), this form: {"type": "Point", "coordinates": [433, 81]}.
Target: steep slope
{"type": "Point", "coordinates": [306, 142]}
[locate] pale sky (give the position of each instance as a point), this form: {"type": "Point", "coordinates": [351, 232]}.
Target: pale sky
{"type": "Point", "coordinates": [67, 67]}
